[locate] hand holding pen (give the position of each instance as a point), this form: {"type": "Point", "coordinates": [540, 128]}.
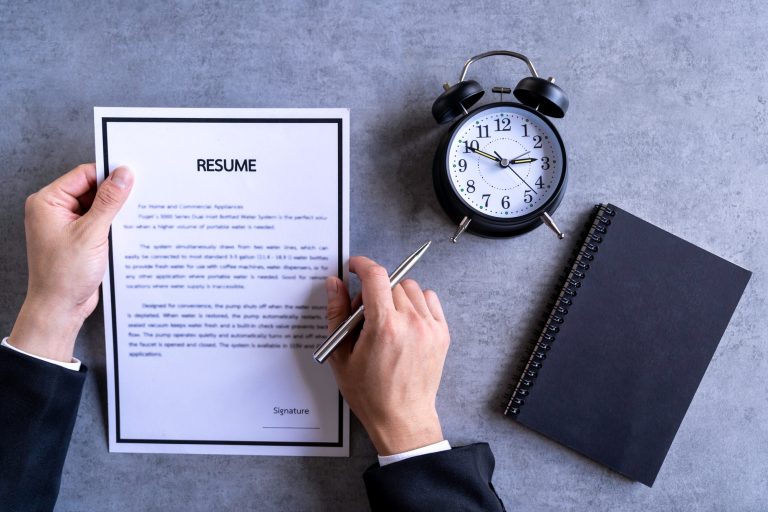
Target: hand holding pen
{"type": "Point", "coordinates": [390, 373]}
{"type": "Point", "coordinates": [346, 327]}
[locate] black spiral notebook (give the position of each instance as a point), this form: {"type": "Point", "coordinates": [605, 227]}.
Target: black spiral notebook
{"type": "Point", "coordinates": [627, 340]}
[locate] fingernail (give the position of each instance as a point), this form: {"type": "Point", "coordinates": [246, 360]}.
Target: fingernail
{"type": "Point", "coordinates": [332, 288]}
{"type": "Point", "coordinates": [122, 177]}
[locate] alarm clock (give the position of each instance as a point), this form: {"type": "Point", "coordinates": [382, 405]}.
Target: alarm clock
{"type": "Point", "coordinates": [500, 171]}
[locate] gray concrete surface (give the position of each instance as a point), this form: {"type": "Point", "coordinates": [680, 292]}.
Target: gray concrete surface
{"type": "Point", "coordinates": [669, 106]}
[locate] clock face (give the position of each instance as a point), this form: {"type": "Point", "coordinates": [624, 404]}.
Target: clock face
{"type": "Point", "coordinates": [505, 161]}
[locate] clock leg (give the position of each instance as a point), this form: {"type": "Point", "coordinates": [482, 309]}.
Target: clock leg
{"type": "Point", "coordinates": [462, 227]}
{"type": "Point", "coordinates": [546, 219]}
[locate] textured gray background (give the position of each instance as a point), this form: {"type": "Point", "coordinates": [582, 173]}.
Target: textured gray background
{"type": "Point", "coordinates": [669, 106]}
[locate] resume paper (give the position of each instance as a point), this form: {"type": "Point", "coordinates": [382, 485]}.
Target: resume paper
{"type": "Point", "coordinates": [214, 299]}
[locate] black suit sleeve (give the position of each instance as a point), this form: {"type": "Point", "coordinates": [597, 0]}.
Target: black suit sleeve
{"type": "Point", "coordinates": [39, 403]}
{"type": "Point", "coordinates": [457, 479]}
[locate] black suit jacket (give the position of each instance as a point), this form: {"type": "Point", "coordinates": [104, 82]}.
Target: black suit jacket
{"type": "Point", "coordinates": [452, 480]}
{"type": "Point", "coordinates": [39, 404]}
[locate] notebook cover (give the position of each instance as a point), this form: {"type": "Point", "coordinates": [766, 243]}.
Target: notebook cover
{"type": "Point", "coordinates": [633, 347]}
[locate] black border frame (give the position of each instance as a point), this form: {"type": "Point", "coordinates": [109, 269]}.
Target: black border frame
{"type": "Point", "coordinates": [340, 138]}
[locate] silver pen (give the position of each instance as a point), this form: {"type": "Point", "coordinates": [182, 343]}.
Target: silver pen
{"type": "Point", "coordinates": [329, 345]}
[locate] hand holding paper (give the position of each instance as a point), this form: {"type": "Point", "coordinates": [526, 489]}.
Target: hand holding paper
{"type": "Point", "coordinates": [67, 223]}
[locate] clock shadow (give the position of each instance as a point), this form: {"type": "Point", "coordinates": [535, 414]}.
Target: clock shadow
{"type": "Point", "coordinates": [413, 208]}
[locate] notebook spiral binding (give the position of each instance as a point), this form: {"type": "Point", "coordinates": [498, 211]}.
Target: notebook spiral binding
{"type": "Point", "coordinates": [566, 291]}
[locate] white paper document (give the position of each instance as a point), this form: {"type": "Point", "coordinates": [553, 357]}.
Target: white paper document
{"type": "Point", "coordinates": [214, 299]}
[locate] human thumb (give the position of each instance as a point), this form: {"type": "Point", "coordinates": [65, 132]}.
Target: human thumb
{"type": "Point", "coordinates": [110, 197]}
{"type": "Point", "coordinates": [338, 302]}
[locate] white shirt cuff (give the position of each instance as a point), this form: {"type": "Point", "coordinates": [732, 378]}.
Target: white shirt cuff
{"type": "Point", "coordinates": [397, 457]}
{"type": "Point", "coordinates": [74, 365]}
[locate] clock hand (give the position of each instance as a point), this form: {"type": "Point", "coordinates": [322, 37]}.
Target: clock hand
{"type": "Point", "coordinates": [518, 160]}
{"type": "Point", "coordinates": [521, 179]}
{"type": "Point", "coordinates": [522, 161]}
{"type": "Point", "coordinates": [483, 153]}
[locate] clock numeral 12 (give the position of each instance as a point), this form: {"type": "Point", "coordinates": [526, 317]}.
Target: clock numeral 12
{"type": "Point", "coordinates": [503, 124]}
